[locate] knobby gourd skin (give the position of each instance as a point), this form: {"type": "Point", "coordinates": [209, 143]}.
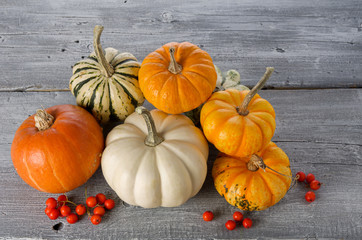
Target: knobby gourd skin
{"type": "Point", "coordinates": [233, 133]}
{"type": "Point", "coordinates": [167, 174]}
{"type": "Point", "coordinates": [62, 157]}
{"type": "Point", "coordinates": [110, 95]}
{"type": "Point", "coordinates": [183, 87]}
{"type": "Point", "coordinates": [253, 190]}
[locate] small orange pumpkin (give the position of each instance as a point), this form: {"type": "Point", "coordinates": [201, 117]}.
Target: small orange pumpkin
{"type": "Point", "coordinates": [238, 123]}
{"type": "Point", "coordinates": [246, 186]}
{"type": "Point", "coordinates": [57, 149]}
{"type": "Point", "coordinates": [177, 77]}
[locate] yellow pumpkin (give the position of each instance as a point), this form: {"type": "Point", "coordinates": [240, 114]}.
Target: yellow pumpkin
{"type": "Point", "coordinates": [239, 123]}
{"type": "Point", "coordinates": [253, 183]}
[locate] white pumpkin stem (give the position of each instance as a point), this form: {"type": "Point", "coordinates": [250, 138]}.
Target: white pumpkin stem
{"type": "Point", "coordinates": [152, 139]}
{"type": "Point", "coordinates": [107, 67]}
{"type": "Point", "coordinates": [174, 67]}
{"type": "Point", "coordinates": [43, 120]}
{"type": "Point", "coordinates": [243, 109]}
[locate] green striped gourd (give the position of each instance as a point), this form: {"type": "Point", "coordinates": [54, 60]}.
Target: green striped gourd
{"type": "Point", "coordinates": [106, 83]}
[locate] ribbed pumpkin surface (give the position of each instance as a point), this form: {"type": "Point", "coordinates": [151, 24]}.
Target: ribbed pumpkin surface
{"type": "Point", "coordinates": [62, 157]}
{"type": "Point", "coordinates": [235, 134]}
{"type": "Point", "coordinates": [108, 98]}
{"type": "Point", "coordinates": [249, 190]}
{"type": "Point", "coordinates": [181, 92]}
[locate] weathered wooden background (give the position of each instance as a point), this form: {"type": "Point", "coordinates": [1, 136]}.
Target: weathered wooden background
{"type": "Point", "coordinates": [315, 47]}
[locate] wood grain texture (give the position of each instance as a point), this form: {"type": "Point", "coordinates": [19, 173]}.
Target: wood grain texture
{"type": "Point", "coordinates": [320, 130]}
{"type": "Point", "coordinates": [311, 44]}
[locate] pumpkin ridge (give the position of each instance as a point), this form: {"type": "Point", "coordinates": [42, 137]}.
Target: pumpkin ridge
{"type": "Point", "coordinates": [29, 172]}
{"type": "Point", "coordinates": [284, 179]}
{"type": "Point", "coordinates": [267, 122]}
{"type": "Point", "coordinates": [130, 96]}
{"type": "Point", "coordinates": [221, 126]}
{"type": "Point", "coordinates": [123, 62]}
{"type": "Point", "coordinates": [180, 160]}
{"type": "Point", "coordinates": [191, 83]}
{"type": "Point", "coordinates": [90, 89]}
{"type": "Point", "coordinates": [272, 199]}
{"type": "Point", "coordinates": [84, 68]}
{"type": "Point", "coordinates": [204, 77]}
{"type": "Point", "coordinates": [163, 84]}
{"type": "Point", "coordinates": [263, 137]}
{"type": "Point", "coordinates": [90, 104]}
{"type": "Point", "coordinates": [86, 63]}
{"type": "Point", "coordinates": [247, 191]}
{"type": "Point", "coordinates": [216, 108]}
{"type": "Point", "coordinates": [126, 75]}
{"type": "Point", "coordinates": [79, 77]}
{"type": "Point", "coordinates": [93, 58]}
{"type": "Point", "coordinates": [112, 112]}
{"type": "Point", "coordinates": [53, 172]}
{"type": "Point", "coordinates": [79, 85]}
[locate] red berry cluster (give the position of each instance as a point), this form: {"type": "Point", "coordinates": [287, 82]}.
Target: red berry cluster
{"type": "Point", "coordinates": [311, 182]}
{"type": "Point", "coordinates": [55, 208]}
{"type": "Point", "coordinates": [230, 224]}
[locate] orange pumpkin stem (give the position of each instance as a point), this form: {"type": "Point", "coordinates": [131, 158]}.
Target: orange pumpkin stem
{"type": "Point", "coordinates": [152, 139]}
{"type": "Point", "coordinates": [43, 120]}
{"type": "Point", "coordinates": [243, 109]}
{"type": "Point", "coordinates": [174, 67]}
{"type": "Point", "coordinates": [107, 67]}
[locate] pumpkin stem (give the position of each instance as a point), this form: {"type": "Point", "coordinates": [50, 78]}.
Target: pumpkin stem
{"type": "Point", "coordinates": [107, 67]}
{"type": "Point", "coordinates": [152, 139]}
{"type": "Point", "coordinates": [255, 163]}
{"type": "Point", "coordinates": [43, 120]}
{"type": "Point", "coordinates": [243, 109]}
{"type": "Point", "coordinates": [174, 67]}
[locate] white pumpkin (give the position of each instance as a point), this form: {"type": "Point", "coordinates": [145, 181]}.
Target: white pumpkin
{"type": "Point", "coordinates": [155, 159]}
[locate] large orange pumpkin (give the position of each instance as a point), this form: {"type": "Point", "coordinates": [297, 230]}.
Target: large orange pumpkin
{"type": "Point", "coordinates": [177, 77]}
{"type": "Point", "coordinates": [57, 149]}
{"type": "Point", "coordinates": [238, 123]}
{"type": "Point", "coordinates": [248, 184]}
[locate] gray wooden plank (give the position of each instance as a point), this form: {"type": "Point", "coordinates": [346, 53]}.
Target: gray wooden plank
{"type": "Point", "coordinates": [319, 130]}
{"type": "Point", "coordinates": [311, 45]}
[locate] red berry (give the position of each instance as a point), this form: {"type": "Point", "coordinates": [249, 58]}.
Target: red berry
{"type": "Point", "coordinates": [310, 178]}
{"type": "Point", "coordinates": [80, 209]}
{"type": "Point", "coordinates": [109, 204]}
{"type": "Point", "coordinates": [91, 201]}
{"type": "Point", "coordinates": [238, 216]}
{"type": "Point", "coordinates": [47, 210]}
{"type": "Point", "coordinates": [96, 219]}
{"type": "Point", "coordinates": [51, 203]}
{"type": "Point", "coordinates": [101, 198]}
{"type": "Point", "coordinates": [301, 176]}
{"type": "Point", "coordinates": [65, 210]}
{"type": "Point", "coordinates": [315, 184]}
{"type": "Point", "coordinates": [230, 225]}
{"type": "Point", "coordinates": [99, 211]}
{"type": "Point", "coordinates": [208, 216]}
{"type": "Point", "coordinates": [62, 199]}
{"type": "Point", "coordinates": [72, 218]}
{"type": "Point", "coordinates": [247, 223]}
{"type": "Point", "coordinates": [310, 196]}
{"type": "Point", "coordinates": [54, 214]}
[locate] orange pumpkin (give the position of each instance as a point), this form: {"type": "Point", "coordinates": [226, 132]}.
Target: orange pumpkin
{"type": "Point", "coordinates": [246, 186]}
{"type": "Point", "coordinates": [57, 149]}
{"type": "Point", "coordinates": [177, 77]}
{"type": "Point", "coordinates": [238, 123]}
